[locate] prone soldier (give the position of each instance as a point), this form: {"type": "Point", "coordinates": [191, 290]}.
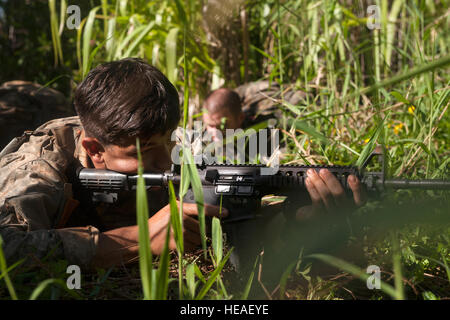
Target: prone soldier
{"type": "Point", "coordinates": [43, 211]}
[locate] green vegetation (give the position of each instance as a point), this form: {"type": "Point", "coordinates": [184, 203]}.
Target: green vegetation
{"type": "Point", "coordinates": [388, 86]}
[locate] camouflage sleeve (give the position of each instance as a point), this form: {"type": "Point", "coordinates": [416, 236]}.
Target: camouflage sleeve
{"type": "Point", "coordinates": [76, 245]}
{"type": "Point", "coordinates": [19, 242]}
{"type": "Point", "coordinates": [26, 223]}
{"type": "Point", "coordinates": [32, 198]}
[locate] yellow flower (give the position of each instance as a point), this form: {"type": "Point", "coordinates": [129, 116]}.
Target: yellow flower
{"type": "Point", "coordinates": [411, 109]}
{"type": "Point", "coordinates": [398, 127]}
{"type": "Point", "coordinates": [366, 140]}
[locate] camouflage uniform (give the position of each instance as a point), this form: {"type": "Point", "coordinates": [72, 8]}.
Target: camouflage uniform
{"type": "Point", "coordinates": [258, 103]}
{"type": "Point", "coordinates": [261, 102]}
{"type": "Point", "coordinates": [42, 209]}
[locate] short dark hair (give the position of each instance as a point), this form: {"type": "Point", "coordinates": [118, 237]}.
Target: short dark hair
{"type": "Point", "coordinates": [222, 99]}
{"type": "Point", "coordinates": [124, 99]}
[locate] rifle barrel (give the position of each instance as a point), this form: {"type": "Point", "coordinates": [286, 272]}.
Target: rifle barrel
{"type": "Point", "coordinates": [429, 184]}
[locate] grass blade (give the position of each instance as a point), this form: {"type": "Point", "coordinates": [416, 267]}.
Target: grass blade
{"type": "Point", "coordinates": [145, 253]}
{"type": "Point", "coordinates": [248, 286]}
{"type": "Point", "coordinates": [284, 279]}
{"type": "Point", "coordinates": [197, 188]}
{"type": "Point", "coordinates": [190, 279]}
{"type": "Point", "coordinates": [57, 51]}
{"type": "Point", "coordinates": [44, 284]}
{"type": "Point", "coordinates": [87, 37]}
{"type": "Point", "coordinates": [397, 256]}
{"type": "Point", "coordinates": [138, 39]}
{"type": "Point", "coordinates": [217, 240]}
{"type": "Point", "coordinates": [175, 219]}
{"type": "Point", "coordinates": [4, 270]}
{"type": "Point", "coordinates": [371, 144]}
{"type": "Point", "coordinates": [162, 277]}
{"type": "Point", "coordinates": [171, 55]}
{"type": "Point", "coordinates": [213, 277]}
{"type": "Point", "coordinates": [304, 127]}
{"type": "Point", "coordinates": [356, 271]}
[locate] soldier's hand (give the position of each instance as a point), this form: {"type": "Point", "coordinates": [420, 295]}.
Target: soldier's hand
{"type": "Point", "coordinates": [328, 195]}
{"type": "Point", "coordinates": [191, 228]}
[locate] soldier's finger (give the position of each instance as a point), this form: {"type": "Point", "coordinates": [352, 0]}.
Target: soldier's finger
{"type": "Point", "coordinates": [192, 237]}
{"type": "Point", "coordinates": [191, 224]}
{"type": "Point", "coordinates": [215, 211]}
{"type": "Point", "coordinates": [317, 206]}
{"type": "Point", "coordinates": [321, 188]}
{"type": "Point", "coordinates": [210, 210]}
{"type": "Point", "coordinates": [334, 186]}
{"type": "Point", "coordinates": [172, 243]}
{"type": "Point", "coordinates": [359, 194]}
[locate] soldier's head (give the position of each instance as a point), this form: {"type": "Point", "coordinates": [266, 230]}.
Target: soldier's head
{"type": "Point", "coordinates": [123, 100]}
{"type": "Point", "coordinates": [222, 109]}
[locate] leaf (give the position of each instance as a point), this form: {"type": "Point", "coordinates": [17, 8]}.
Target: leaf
{"type": "Point", "coordinates": [110, 43]}
{"type": "Point", "coordinates": [140, 36]}
{"type": "Point", "coordinates": [55, 33]}
{"type": "Point", "coordinates": [428, 295]}
{"type": "Point", "coordinates": [11, 267]}
{"type": "Point", "coordinates": [304, 127]}
{"type": "Point", "coordinates": [213, 277]}
{"type": "Point", "coordinates": [181, 12]}
{"type": "Point", "coordinates": [284, 279]}
{"type": "Point", "coordinates": [368, 148]}
{"type": "Point", "coordinates": [43, 285]}
{"type": "Point", "coordinates": [197, 188]}
{"type": "Point", "coordinates": [250, 280]}
{"type": "Point", "coordinates": [162, 276]}
{"type": "Point", "coordinates": [295, 109]}
{"type": "Point", "coordinates": [424, 68]}
{"type": "Point", "coordinates": [145, 253]}
{"type": "Point", "coordinates": [199, 274]}
{"type": "Point", "coordinates": [4, 270]}
{"type": "Point", "coordinates": [217, 240]}
{"type": "Point", "coordinates": [190, 279]}
{"type": "Point", "coordinates": [171, 55]}
{"type": "Point", "coordinates": [420, 143]}
{"type": "Point", "coordinates": [175, 219]}
{"type": "Point", "coordinates": [397, 95]}
{"type": "Point", "coordinates": [356, 271]}
{"type": "Point", "coordinates": [123, 43]}
{"type": "Point", "coordinates": [87, 37]}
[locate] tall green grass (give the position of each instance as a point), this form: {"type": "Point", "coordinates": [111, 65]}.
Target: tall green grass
{"type": "Point", "coordinates": [364, 87]}
{"type": "Point", "coordinates": [155, 280]}
{"type": "Point", "coordinates": [38, 290]}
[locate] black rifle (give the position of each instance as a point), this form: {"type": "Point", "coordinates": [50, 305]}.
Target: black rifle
{"type": "Point", "coordinates": [242, 187]}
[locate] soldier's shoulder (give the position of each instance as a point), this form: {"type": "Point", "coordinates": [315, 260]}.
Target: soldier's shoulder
{"type": "Point", "coordinates": [58, 123]}
{"type": "Point", "coordinates": [53, 143]}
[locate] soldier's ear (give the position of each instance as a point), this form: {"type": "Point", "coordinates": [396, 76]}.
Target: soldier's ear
{"type": "Point", "coordinates": [95, 151]}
